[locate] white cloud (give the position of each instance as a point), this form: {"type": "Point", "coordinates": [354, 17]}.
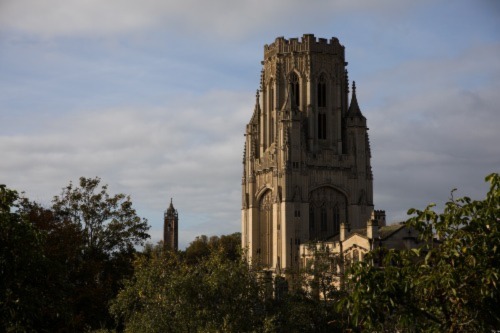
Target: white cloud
{"type": "Point", "coordinates": [189, 151]}
{"type": "Point", "coordinates": [227, 18]}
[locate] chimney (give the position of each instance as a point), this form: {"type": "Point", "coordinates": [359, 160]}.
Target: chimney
{"type": "Point", "coordinates": [344, 231]}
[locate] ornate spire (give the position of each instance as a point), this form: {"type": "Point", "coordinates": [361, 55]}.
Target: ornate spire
{"type": "Point", "coordinates": [354, 110]}
{"type": "Point", "coordinates": [171, 209]}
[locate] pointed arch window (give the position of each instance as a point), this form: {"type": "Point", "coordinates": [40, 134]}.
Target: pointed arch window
{"type": "Point", "coordinates": [336, 219]}
{"type": "Point", "coordinates": [294, 89]}
{"type": "Point", "coordinates": [271, 97]}
{"type": "Point", "coordinates": [322, 91]}
{"type": "Point", "coordinates": [311, 219]}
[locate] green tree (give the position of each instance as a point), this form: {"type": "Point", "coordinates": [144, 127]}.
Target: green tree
{"type": "Point", "coordinates": [60, 266]}
{"type": "Point", "coordinates": [24, 289]}
{"type": "Point", "coordinates": [202, 246]}
{"type": "Point", "coordinates": [323, 272]}
{"type": "Point", "coordinates": [448, 285]}
{"type": "Point", "coordinates": [109, 223]}
{"type": "Point", "coordinates": [197, 250]}
{"type": "Point", "coordinates": [166, 294]}
{"type": "Point", "coordinates": [309, 305]}
{"type": "Point", "coordinates": [104, 231]}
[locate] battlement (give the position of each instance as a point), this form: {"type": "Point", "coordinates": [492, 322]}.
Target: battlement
{"type": "Point", "coordinates": [379, 215]}
{"type": "Point", "coordinates": [308, 43]}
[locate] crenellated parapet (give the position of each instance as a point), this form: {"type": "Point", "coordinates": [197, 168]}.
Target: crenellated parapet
{"type": "Point", "coordinates": [308, 43]}
{"type": "Point", "coordinates": [379, 215]}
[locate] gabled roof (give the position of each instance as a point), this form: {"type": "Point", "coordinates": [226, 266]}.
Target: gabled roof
{"type": "Point", "coordinates": [384, 232]}
{"type": "Point", "coordinates": [360, 231]}
{"type": "Point", "coordinates": [389, 230]}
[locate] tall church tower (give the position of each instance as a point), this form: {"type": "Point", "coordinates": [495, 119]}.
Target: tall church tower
{"type": "Point", "coordinates": [306, 163]}
{"type": "Point", "coordinates": [170, 228]}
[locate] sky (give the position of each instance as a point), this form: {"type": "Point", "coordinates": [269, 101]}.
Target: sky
{"type": "Point", "coordinates": [153, 97]}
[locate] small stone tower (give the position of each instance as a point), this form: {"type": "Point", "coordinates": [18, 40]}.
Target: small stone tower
{"type": "Point", "coordinates": [170, 228]}
{"type": "Point", "coordinates": [306, 161]}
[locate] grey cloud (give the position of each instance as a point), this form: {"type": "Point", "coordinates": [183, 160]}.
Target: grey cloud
{"type": "Point", "coordinates": [438, 131]}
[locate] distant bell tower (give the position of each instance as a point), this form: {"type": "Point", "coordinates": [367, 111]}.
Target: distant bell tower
{"type": "Point", "coordinates": [170, 228]}
{"type": "Point", "coordinates": [306, 161]}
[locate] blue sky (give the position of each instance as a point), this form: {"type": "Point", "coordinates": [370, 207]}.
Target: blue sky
{"type": "Point", "coordinates": [153, 96]}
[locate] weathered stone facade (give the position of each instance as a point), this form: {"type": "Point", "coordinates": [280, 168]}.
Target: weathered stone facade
{"type": "Point", "coordinates": [306, 163]}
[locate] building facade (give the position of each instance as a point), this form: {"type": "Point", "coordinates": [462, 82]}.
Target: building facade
{"type": "Point", "coordinates": [171, 228]}
{"type": "Point", "coordinates": [306, 163]}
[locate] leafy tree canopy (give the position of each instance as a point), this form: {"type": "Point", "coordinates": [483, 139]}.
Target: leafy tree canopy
{"type": "Point", "coordinates": [449, 285]}
{"type": "Point", "coordinates": [109, 223]}
{"type": "Point", "coordinates": [60, 266]}
{"type": "Point", "coordinates": [166, 294]}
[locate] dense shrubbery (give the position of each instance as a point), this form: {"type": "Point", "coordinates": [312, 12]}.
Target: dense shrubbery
{"type": "Point", "coordinates": [61, 270]}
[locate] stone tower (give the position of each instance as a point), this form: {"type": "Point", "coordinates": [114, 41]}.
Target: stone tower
{"type": "Point", "coordinates": [170, 228]}
{"type": "Point", "coordinates": [306, 163]}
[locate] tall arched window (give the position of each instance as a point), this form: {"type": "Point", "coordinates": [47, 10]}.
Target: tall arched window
{"type": "Point", "coordinates": [294, 89]}
{"type": "Point", "coordinates": [322, 91]}
{"type": "Point", "coordinates": [322, 104]}
{"type": "Point", "coordinates": [265, 247]}
{"type": "Point", "coordinates": [323, 219]}
{"type": "Point", "coordinates": [311, 219]}
{"type": "Point", "coordinates": [271, 96]}
{"type": "Point", "coordinates": [336, 219]}
{"type": "Point", "coordinates": [327, 207]}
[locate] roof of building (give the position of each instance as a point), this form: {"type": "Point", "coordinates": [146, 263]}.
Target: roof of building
{"type": "Point", "coordinates": [387, 231]}
{"type": "Point", "coordinates": [384, 232]}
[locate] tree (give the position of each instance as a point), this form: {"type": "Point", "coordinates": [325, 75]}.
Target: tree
{"type": "Point", "coordinates": [448, 285]}
{"type": "Point", "coordinates": [197, 250]}
{"type": "Point", "coordinates": [24, 289]}
{"type": "Point", "coordinates": [60, 266]}
{"type": "Point", "coordinates": [202, 246]}
{"type": "Point", "coordinates": [103, 231]}
{"type": "Point", "coordinates": [166, 294]}
{"type": "Point", "coordinates": [323, 272]}
{"type": "Point", "coordinates": [109, 223]}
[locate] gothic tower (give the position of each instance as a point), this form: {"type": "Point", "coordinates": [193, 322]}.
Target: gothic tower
{"type": "Point", "coordinates": [306, 163]}
{"type": "Point", "coordinates": [170, 228]}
